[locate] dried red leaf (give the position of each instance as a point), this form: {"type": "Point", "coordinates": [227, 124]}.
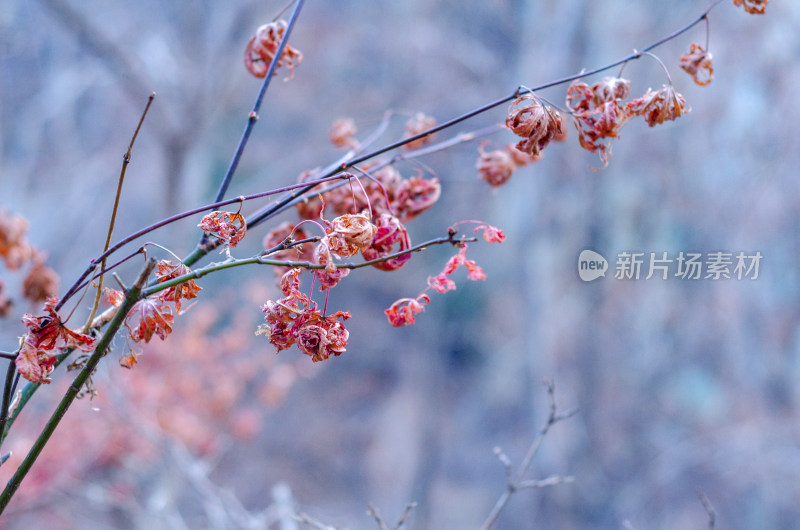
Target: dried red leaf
{"type": "Point", "coordinates": [343, 133]}
{"type": "Point", "coordinates": [47, 336]}
{"type": "Point", "coordinates": [414, 196]}
{"type": "Point", "coordinates": [279, 235]}
{"type": "Point", "coordinates": [535, 123]}
{"type": "Point", "coordinates": [491, 234]}
{"type": "Point", "coordinates": [35, 364]}
{"type": "Point", "coordinates": [14, 248]}
{"type": "Point", "coordinates": [5, 302]}
{"type": "Point", "coordinates": [401, 313]}
{"type": "Point", "coordinates": [229, 227]}
{"type": "Point", "coordinates": [184, 291]}
{"type": "Point", "coordinates": [495, 167]}
{"type": "Point", "coordinates": [390, 237]}
{"type": "Point", "coordinates": [695, 61]}
{"type": "Point", "coordinates": [262, 48]}
{"type": "Point", "coordinates": [40, 283]}
{"type": "Point", "coordinates": [48, 332]}
{"type": "Point", "coordinates": [320, 337]}
{"type": "Point", "coordinates": [523, 159]}
{"type": "Point", "coordinates": [419, 123]}
{"type": "Point", "coordinates": [754, 7]}
{"type": "Point", "coordinates": [130, 361]}
{"type": "Point", "coordinates": [598, 114]}
{"type": "Point", "coordinates": [349, 234]}
{"type": "Point", "coordinates": [660, 106]}
{"type": "Point", "coordinates": [148, 317]}
{"type": "Point", "coordinates": [441, 283]}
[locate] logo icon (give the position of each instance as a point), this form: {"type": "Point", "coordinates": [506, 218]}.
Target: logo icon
{"type": "Point", "coordinates": [591, 265]}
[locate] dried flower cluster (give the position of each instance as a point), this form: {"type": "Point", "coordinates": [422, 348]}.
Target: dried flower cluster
{"type": "Point", "coordinates": [345, 236]}
{"type": "Point", "coordinates": [263, 46]}
{"type": "Point", "coordinates": [295, 319]}
{"type": "Point", "coordinates": [599, 111]}
{"type": "Point", "coordinates": [386, 191]}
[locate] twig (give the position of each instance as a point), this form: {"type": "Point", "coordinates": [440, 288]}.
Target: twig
{"type": "Point", "coordinates": [7, 390]}
{"type": "Point", "coordinates": [228, 264]}
{"type": "Point", "coordinates": [712, 515]}
{"type": "Point", "coordinates": [515, 481]}
{"type": "Point", "coordinates": [253, 116]}
{"type": "Point", "coordinates": [282, 204]}
{"type": "Point", "coordinates": [126, 159]}
{"type": "Point", "coordinates": [373, 511]}
{"type": "Point", "coordinates": [202, 250]}
{"type": "Point", "coordinates": [313, 523]}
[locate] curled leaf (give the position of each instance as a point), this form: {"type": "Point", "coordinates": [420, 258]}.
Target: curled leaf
{"type": "Point", "coordinates": [695, 62]}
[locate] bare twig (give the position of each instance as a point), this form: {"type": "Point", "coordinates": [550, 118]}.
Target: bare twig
{"type": "Point", "coordinates": [712, 515]}
{"type": "Point", "coordinates": [313, 523]}
{"type": "Point", "coordinates": [126, 159]}
{"type": "Point", "coordinates": [516, 481]}
{"type": "Point", "coordinates": [373, 511]}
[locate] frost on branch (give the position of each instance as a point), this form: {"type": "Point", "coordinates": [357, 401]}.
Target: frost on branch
{"type": "Point", "coordinates": [47, 336]}
{"type": "Point", "coordinates": [263, 46]}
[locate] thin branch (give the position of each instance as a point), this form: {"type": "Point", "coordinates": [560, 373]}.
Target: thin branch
{"type": "Point", "coordinates": [74, 288]}
{"type": "Point", "coordinates": [202, 250]}
{"type": "Point", "coordinates": [712, 515]}
{"type": "Point", "coordinates": [75, 388]}
{"type": "Point", "coordinates": [7, 391]}
{"type": "Point", "coordinates": [515, 481]}
{"type": "Point", "coordinates": [313, 523]}
{"type": "Point", "coordinates": [284, 203]}
{"type": "Point", "coordinates": [373, 511]}
{"type": "Point", "coordinates": [545, 482]}
{"type": "Point", "coordinates": [228, 264]}
{"type": "Point", "coordinates": [254, 116]}
{"type": "Point", "coordinates": [126, 159]}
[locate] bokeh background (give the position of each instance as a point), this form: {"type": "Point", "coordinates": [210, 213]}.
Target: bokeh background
{"type": "Point", "coordinates": [680, 384]}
